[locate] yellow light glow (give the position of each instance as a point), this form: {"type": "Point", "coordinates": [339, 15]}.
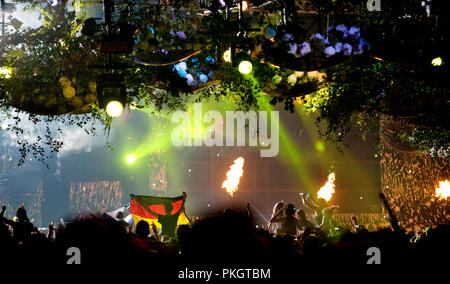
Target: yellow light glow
{"type": "Point", "coordinates": [245, 67]}
{"type": "Point", "coordinates": [130, 159]}
{"type": "Point", "coordinates": [132, 105]}
{"type": "Point", "coordinates": [326, 191]}
{"type": "Point", "coordinates": [5, 72]}
{"type": "Point", "coordinates": [114, 109]}
{"type": "Point", "coordinates": [443, 191]}
{"type": "Point", "coordinates": [244, 6]}
{"type": "Point", "coordinates": [233, 175]}
{"type": "Point", "coordinates": [227, 55]}
{"type": "Point", "coordinates": [436, 61]}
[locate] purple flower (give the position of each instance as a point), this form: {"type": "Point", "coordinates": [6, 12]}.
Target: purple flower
{"type": "Point", "coordinates": [329, 51]}
{"type": "Point", "coordinates": [292, 48]}
{"type": "Point", "coordinates": [347, 48]}
{"type": "Point", "coordinates": [341, 28]}
{"type": "Point", "coordinates": [181, 35]}
{"type": "Point", "coordinates": [287, 37]}
{"type": "Point", "coordinates": [222, 3]}
{"type": "Point", "coordinates": [338, 47]}
{"type": "Point", "coordinates": [305, 48]}
{"type": "Point", "coordinates": [190, 79]}
{"type": "Point", "coordinates": [181, 66]}
{"type": "Point", "coordinates": [354, 31]}
{"type": "Point", "coordinates": [318, 36]}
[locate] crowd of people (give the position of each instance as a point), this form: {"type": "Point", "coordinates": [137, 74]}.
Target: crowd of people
{"type": "Point", "coordinates": [226, 237]}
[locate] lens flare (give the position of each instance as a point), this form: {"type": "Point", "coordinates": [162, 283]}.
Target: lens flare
{"type": "Point", "coordinates": [326, 191]}
{"type": "Point", "coordinates": [130, 159]}
{"type": "Point", "coordinates": [245, 67]}
{"type": "Point", "coordinates": [233, 175]}
{"type": "Point", "coordinates": [443, 191]}
{"type": "Point", "coordinates": [114, 109]}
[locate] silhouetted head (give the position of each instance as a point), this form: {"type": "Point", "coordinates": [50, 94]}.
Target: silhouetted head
{"type": "Point", "coordinates": [322, 203]}
{"type": "Point", "coordinates": [301, 214]}
{"type": "Point", "coordinates": [22, 214]}
{"type": "Point", "coordinates": [142, 229]}
{"type": "Point", "coordinates": [277, 207]}
{"type": "Point", "coordinates": [168, 208]}
{"type": "Point", "coordinates": [227, 211]}
{"type": "Point", "coordinates": [289, 210]}
{"type": "Point", "coordinates": [119, 215]}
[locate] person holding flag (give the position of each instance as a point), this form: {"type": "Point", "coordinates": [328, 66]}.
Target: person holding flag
{"type": "Point", "coordinates": [163, 212]}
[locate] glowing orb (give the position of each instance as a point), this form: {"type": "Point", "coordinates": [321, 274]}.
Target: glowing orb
{"type": "Point", "coordinates": [245, 67]}
{"type": "Point", "coordinates": [436, 61]}
{"type": "Point", "coordinates": [130, 159]}
{"type": "Point", "coordinates": [114, 109]}
{"type": "Point", "coordinates": [227, 55]}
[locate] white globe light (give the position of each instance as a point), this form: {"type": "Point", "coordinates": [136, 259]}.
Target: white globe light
{"type": "Point", "coordinates": [130, 159]}
{"type": "Point", "coordinates": [245, 67]}
{"type": "Point", "coordinates": [114, 109]}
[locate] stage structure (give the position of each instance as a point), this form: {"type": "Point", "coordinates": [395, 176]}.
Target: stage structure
{"type": "Point", "coordinates": [410, 178]}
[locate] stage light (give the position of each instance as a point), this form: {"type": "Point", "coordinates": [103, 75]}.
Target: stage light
{"type": "Point", "coordinates": [436, 61]}
{"type": "Point", "coordinates": [245, 67]}
{"type": "Point", "coordinates": [227, 55]}
{"type": "Point", "coordinates": [130, 159]}
{"type": "Point", "coordinates": [244, 6]}
{"type": "Point", "coordinates": [114, 108]}
{"type": "Point", "coordinates": [5, 72]}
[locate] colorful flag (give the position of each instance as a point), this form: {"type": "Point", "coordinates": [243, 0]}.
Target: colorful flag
{"type": "Point", "coordinates": [149, 208]}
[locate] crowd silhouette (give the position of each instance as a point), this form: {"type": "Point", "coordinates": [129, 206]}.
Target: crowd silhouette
{"type": "Point", "coordinates": [226, 237]}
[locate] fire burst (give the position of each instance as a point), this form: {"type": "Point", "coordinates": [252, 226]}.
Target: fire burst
{"type": "Point", "coordinates": [233, 175]}
{"type": "Point", "coordinates": [326, 191]}
{"type": "Point", "coordinates": [443, 191]}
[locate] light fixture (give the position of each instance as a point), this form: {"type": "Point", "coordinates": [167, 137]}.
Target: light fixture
{"type": "Point", "coordinates": [130, 159]}
{"type": "Point", "coordinates": [244, 6]}
{"type": "Point", "coordinates": [245, 67]}
{"type": "Point", "coordinates": [437, 61]}
{"type": "Point", "coordinates": [227, 55]}
{"type": "Point", "coordinates": [114, 108]}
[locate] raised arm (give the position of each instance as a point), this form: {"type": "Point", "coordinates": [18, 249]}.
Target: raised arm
{"type": "Point", "coordinates": [3, 219]}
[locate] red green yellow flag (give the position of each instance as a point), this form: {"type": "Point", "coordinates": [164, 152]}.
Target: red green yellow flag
{"type": "Point", "coordinates": [148, 208]}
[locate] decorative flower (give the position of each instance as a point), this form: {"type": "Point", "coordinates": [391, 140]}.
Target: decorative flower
{"type": "Point", "coordinates": [347, 48]}
{"type": "Point", "coordinates": [338, 47]}
{"type": "Point", "coordinates": [354, 31]}
{"type": "Point", "coordinates": [329, 51]}
{"type": "Point", "coordinates": [288, 37]}
{"type": "Point", "coordinates": [341, 28]}
{"type": "Point", "coordinates": [305, 48]}
{"type": "Point", "coordinates": [190, 79]}
{"type": "Point", "coordinates": [318, 36]}
{"type": "Point", "coordinates": [203, 78]}
{"type": "Point", "coordinates": [292, 48]}
{"type": "Point", "coordinates": [276, 79]}
{"type": "Point", "coordinates": [181, 35]}
{"type": "Point", "coordinates": [69, 92]}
